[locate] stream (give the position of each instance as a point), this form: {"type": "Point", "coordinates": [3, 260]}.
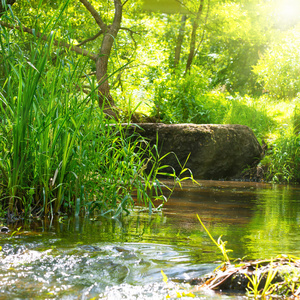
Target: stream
{"type": "Point", "coordinates": [102, 258]}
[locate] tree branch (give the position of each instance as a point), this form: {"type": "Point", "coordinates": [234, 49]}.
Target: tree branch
{"type": "Point", "coordinates": [101, 32]}
{"type": "Point", "coordinates": [131, 32]}
{"type": "Point", "coordinates": [193, 37]}
{"type": "Point", "coordinates": [90, 39]}
{"type": "Point", "coordinates": [95, 14]}
{"type": "Point", "coordinates": [44, 37]}
{"type": "Point", "coordinates": [179, 41]}
{"type": "Point", "coordinates": [118, 16]}
{"type": "Point", "coordinates": [205, 23]}
{"type": "Point", "coordinates": [185, 6]}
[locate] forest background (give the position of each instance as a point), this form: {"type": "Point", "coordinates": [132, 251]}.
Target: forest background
{"type": "Point", "coordinates": [67, 65]}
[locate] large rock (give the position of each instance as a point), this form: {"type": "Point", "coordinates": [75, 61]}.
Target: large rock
{"type": "Point", "coordinates": [216, 151]}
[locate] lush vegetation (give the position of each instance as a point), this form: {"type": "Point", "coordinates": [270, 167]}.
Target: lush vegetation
{"type": "Point", "coordinates": [59, 152]}
{"type": "Point", "coordinates": [69, 69]}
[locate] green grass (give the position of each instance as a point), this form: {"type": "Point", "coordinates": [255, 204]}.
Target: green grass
{"type": "Point", "coordinates": [58, 152]}
{"type": "Point", "coordinates": [250, 112]}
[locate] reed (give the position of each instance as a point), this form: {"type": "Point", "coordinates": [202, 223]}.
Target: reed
{"type": "Point", "coordinates": [58, 152]}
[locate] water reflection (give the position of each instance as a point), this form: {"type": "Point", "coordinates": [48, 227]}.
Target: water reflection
{"type": "Point", "coordinates": [258, 220]}
{"type": "Point", "coordinates": [64, 258]}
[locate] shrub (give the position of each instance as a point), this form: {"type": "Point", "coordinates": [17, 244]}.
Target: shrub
{"type": "Point", "coordinates": [249, 112]}
{"type": "Point", "coordinates": [278, 69]}
{"type": "Point", "coordinates": [187, 99]}
{"type": "Point", "coordinates": [284, 156]}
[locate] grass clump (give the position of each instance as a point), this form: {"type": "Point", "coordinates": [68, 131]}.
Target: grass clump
{"type": "Point", "coordinates": [255, 281]}
{"type": "Point", "coordinates": [250, 112]}
{"type": "Point", "coordinates": [275, 123]}
{"type": "Point", "coordinates": [283, 157]}
{"type": "Point", "coordinates": [58, 152]}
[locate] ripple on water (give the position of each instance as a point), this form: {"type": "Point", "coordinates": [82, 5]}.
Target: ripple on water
{"type": "Point", "coordinates": [130, 270]}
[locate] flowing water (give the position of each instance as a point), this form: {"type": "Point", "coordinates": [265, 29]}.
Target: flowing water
{"type": "Point", "coordinates": [122, 258]}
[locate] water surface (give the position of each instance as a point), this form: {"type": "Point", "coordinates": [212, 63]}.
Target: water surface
{"type": "Point", "coordinates": [122, 258]}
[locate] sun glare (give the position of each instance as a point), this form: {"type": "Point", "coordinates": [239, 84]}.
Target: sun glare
{"type": "Point", "coordinates": [289, 11]}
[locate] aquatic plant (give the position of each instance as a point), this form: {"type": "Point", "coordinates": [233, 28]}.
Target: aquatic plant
{"type": "Point", "coordinates": [255, 281]}
{"type": "Point", "coordinates": [219, 243]}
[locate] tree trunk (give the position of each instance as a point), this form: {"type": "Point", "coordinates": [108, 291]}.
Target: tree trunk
{"type": "Point", "coordinates": [102, 68]}
{"type": "Point", "coordinates": [193, 38]}
{"type": "Point", "coordinates": [105, 98]}
{"type": "Point", "coordinates": [110, 34]}
{"type": "Point", "coordinates": [179, 41]}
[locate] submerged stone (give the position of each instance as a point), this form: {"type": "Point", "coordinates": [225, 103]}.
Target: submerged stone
{"type": "Point", "coordinates": [4, 229]}
{"type": "Point", "coordinates": [213, 151]}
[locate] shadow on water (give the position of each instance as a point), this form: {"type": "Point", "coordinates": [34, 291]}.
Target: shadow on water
{"type": "Point", "coordinates": [122, 259]}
